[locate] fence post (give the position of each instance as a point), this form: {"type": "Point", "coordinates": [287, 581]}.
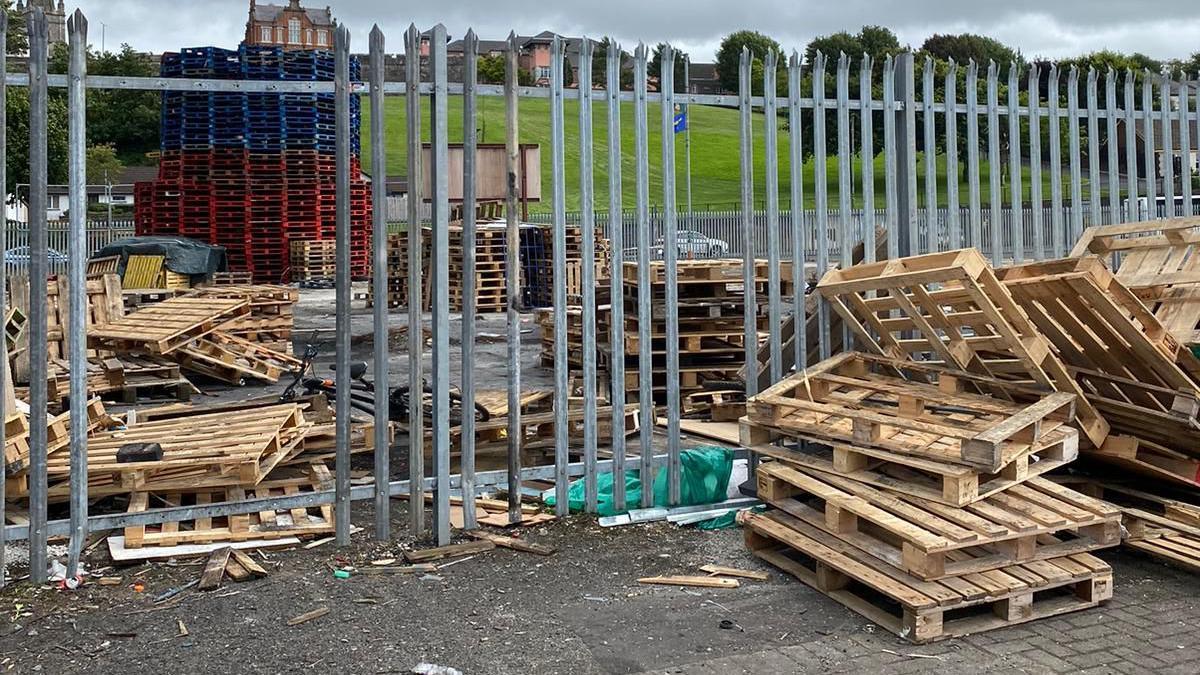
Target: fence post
{"type": "Point", "coordinates": [440, 273]}
{"type": "Point", "coordinates": [77, 311]}
{"type": "Point", "coordinates": [906, 155]}
{"type": "Point", "coordinates": [416, 277]}
{"type": "Point", "coordinates": [512, 276]}
{"type": "Point", "coordinates": [342, 247]}
{"type": "Point", "coordinates": [379, 233]}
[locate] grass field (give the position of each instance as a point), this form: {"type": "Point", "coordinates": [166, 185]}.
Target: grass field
{"type": "Point", "coordinates": [716, 162]}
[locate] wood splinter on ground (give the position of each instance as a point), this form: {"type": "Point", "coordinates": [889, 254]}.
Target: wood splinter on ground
{"type": "Point", "coordinates": [511, 542]}
{"type": "Point", "coordinates": [722, 571]}
{"type": "Point", "coordinates": [703, 582]}
{"type": "Point", "coordinates": [451, 551]}
{"type": "Point", "coordinates": [308, 616]}
{"type": "Point", "coordinates": [228, 561]}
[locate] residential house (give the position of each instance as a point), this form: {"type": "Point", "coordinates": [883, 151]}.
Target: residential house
{"type": "Point", "coordinates": [120, 194]}
{"type": "Point", "coordinates": [703, 79]}
{"type": "Point", "coordinates": [290, 27]}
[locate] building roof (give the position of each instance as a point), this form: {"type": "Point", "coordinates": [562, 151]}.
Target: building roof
{"type": "Point", "coordinates": [485, 46]}
{"type": "Point", "coordinates": [269, 13]}
{"type": "Point", "coordinates": [703, 71]}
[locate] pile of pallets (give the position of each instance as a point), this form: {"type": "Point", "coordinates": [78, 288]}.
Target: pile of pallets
{"type": "Point", "coordinates": [711, 311]}
{"type": "Point", "coordinates": [913, 494]}
{"type": "Point", "coordinates": [313, 260]}
{"type": "Point", "coordinates": [271, 318]}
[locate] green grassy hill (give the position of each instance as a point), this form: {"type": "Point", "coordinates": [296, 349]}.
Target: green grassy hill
{"type": "Point", "coordinates": [716, 161]}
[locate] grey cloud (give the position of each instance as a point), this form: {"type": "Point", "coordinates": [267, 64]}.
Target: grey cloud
{"type": "Point", "coordinates": [1053, 28]}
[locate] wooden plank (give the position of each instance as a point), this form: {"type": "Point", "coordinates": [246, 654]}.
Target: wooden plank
{"type": "Point", "coordinates": [450, 551]}
{"type": "Point", "coordinates": [511, 542]}
{"type": "Point", "coordinates": [702, 582]}
{"type": "Point", "coordinates": [721, 570]}
{"type": "Point", "coordinates": [248, 563]}
{"type": "Point", "coordinates": [214, 569]}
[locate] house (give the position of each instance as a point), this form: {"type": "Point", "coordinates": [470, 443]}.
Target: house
{"type": "Point", "coordinates": [534, 54]}
{"type": "Point", "coordinates": [120, 194]}
{"type": "Point", "coordinates": [703, 79]}
{"type": "Point", "coordinates": [290, 27]}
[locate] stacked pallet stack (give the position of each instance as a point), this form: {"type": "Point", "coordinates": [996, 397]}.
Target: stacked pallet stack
{"type": "Point", "coordinates": [251, 172]}
{"type": "Point", "coordinates": [397, 266]}
{"type": "Point", "coordinates": [913, 494]}
{"type": "Point", "coordinates": [711, 312]}
{"type": "Point", "coordinates": [271, 318]}
{"type": "Point", "coordinates": [537, 263]}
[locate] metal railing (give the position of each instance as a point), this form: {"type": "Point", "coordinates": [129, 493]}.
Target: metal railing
{"type": "Point", "coordinates": [98, 234]}
{"type": "Point", "coordinates": [819, 126]}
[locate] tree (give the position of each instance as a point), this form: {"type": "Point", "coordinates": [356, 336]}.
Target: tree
{"type": "Point", "coordinates": [600, 65]}
{"type": "Point", "coordinates": [654, 68]}
{"type": "Point", "coordinates": [103, 165]}
{"type": "Point", "coordinates": [568, 71]}
{"type": "Point", "coordinates": [18, 39]}
{"type": "Point", "coordinates": [125, 119]}
{"type": "Point", "coordinates": [730, 53]}
{"type": "Point", "coordinates": [17, 107]}
{"type": "Point", "coordinates": [491, 69]}
{"type": "Point", "coordinates": [963, 47]}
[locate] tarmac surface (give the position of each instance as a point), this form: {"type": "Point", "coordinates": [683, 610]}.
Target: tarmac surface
{"type": "Point", "coordinates": [578, 611]}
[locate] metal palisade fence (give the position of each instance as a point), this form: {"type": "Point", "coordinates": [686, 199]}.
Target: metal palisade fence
{"type": "Point", "coordinates": [959, 123]}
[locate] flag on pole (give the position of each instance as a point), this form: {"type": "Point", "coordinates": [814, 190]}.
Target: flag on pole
{"type": "Point", "coordinates": [680, 120]}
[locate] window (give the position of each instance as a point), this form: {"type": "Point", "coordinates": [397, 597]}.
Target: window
{"type": "Point", "coordinates": [265, 34]}
{"type": "Point", "coordinates": [279, 35]}
{"type": "Point", "coordinates": [308, 38]}
{"type": "Point", "coordinates": [294, 31]}
{"type": "Point", "coordinates": [322, 38]}
{"type": "Point", "coordinates": [543, 72]}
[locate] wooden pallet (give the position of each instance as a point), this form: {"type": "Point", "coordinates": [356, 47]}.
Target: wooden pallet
{"type": "Point", "coordinates": [104, 306]}
{"type": "Point", "coordinates": [1157, 260]}
{"type": "Point", "coordinates": [962, 316]}
{"type": "Point", "coordinates": [1035, 520]}
{"type": "Point", "coordinates": [923, 611]}
{"type": "Point", "coordinates": [726, 270]}
{"type": "Point", "coordinates": [166, 326]}
{"type": "Point", "coordinates": [941, 482]}
{"type": "Point", "coordinates": [144, 271]}
{"type": "Point", "coordinates": [233, 360]}
{"type": "Point", "coordinates": [867, 401]}
{"type": "Point", "coordinates": [1098, 326]}
{"type": "Point", "coordinates": [267, 524]}
{"type": "Point", "coordinates": [214, 450]}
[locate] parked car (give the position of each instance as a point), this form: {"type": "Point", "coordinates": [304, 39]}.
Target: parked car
{"type": "Point", "coordinates": [19, 257]}
{"type": "Point", "coordinates": [693, 244]}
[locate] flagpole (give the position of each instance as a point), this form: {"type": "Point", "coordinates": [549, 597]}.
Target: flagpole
{"type": "Point", "coordinates": [687, 133]}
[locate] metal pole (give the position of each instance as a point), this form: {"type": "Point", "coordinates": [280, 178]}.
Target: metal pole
{"type": "Point", "coordinates": [77, 149]}
{"type": "Point", "coordinates": [995, 168]}
{"type": "Point", "coordinates": [416, 278]}
{"type": "Point", "coordinates": [379, 278]}
{"type": "Point", "coordinates": [1073, 158]}
{"type": "Point", "coordinates": [3, 278]}
{"type": "Point", "coordinates": [670, 256]}
{"type": "Point", "coordinates": [889, 154]}
{"type": "Point", "coordinates": [342, 98]}
{"type": "Point", "coordinates": [845, 177]}
{"type": "Point", "coordinates": [1185, 147]}
{"type": "Point", "coordinates": [558, 179]}
{"type": "Point", "coordinates": [953, 219]}
{"type": "Point", "coordinates": [470, 145]}
{"type": "Point", "coordinates": [1035, 164]}
{"type": "Point", "coordinates": [1168, 144]}
{"type": "Point", "coordinates": [1149, 146]}
{"type": "Point", "coordinates": [749, 299]}
{"type": "Point", "coordinates": [439, 164]}
{"type": "Point", "coordinates": [974, 200]}
{"type": "Point", "coordinates": [821, 185]}
{"type": "Point", "coordinates": [1131, 167]}
{"type": "Point", "coordinates": [1095, 200]}
{"type": "Point", "coordinates": [1114, 161]}
{"type": "Point", "coordinates": [799, 233]}
{"type": "Point", "coordinates": [906, 155]}
{"type": "Point", "coordinates": [1057, 228]}
{"type": "Point", "coordinates": [36, 24]}
{"type": "Point", "coordinates": [512, 276]}
{"type": "Point", "coordinates": [929, 127]}
{"type": "Point", "coordinates": [616, 233]}
{"type": "Point", "coordinates": [867, 157]}
{"type": "Point", "coordinates": [645, 316]}
{"type": "Point", "coordinates": [588, 277]}
{"type": "Point", "coordinates": [1017, 231]}
{"type": "Point", "coordinates": [771, 159]}
{"type": "Point", "coordinates": [687, 134]}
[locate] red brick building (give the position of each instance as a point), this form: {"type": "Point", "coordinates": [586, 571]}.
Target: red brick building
{"type": "Point", "coordinates": [290, 27]}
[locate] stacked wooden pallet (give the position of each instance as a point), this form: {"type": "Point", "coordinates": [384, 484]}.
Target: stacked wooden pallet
{"type": "Point", "coordinates": [313, 259]}
{"type": "Point", "coordinates": [397, 267]}
{"type": "Point", "coordinates": [124, 377]}
{"type": "Point", "coordinates": [190, 330]}
{"type": "Point", "coordinates": [104, 305]}
{"type": "Point", "coordinates": [271, 319]}
{"type": "Point", "coordinates": [912, 494]}
{"type": "Point", "coordinates": [711, 311]}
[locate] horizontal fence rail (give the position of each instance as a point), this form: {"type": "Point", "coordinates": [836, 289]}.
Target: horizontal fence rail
{"type": "Point", "coordinates": [1062, 150]}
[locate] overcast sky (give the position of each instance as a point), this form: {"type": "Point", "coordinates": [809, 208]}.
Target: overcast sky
{"type": "Point", "coordinates": [1052, 28]}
